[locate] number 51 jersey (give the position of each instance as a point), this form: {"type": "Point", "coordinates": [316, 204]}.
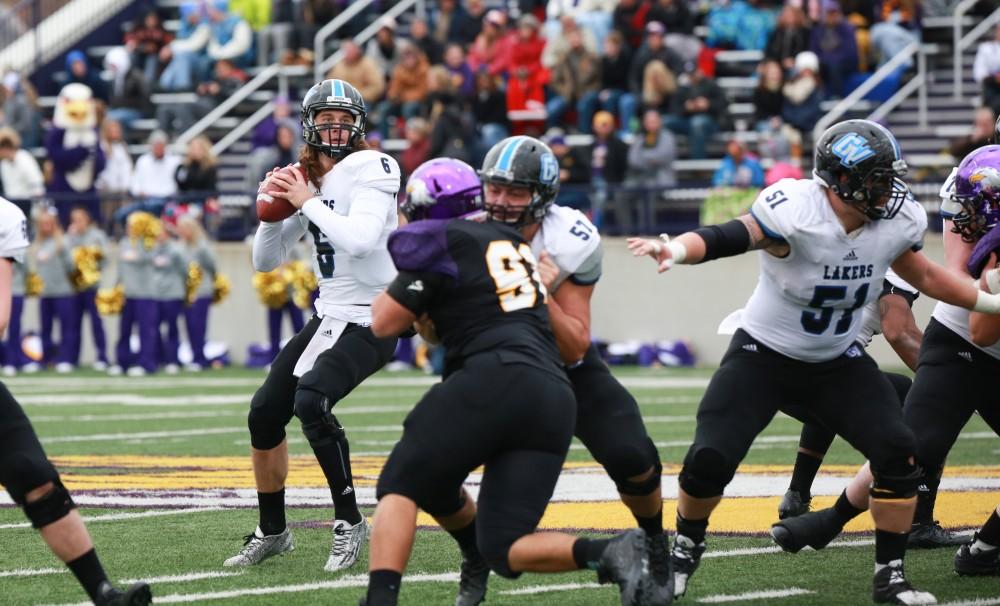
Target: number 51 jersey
{"type": "Point", "coordinates": [808, 305]}
{"type": "Point", "coordinates": [479, 284]}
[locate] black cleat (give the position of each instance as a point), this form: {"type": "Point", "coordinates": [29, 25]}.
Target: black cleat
{"type": "Point", "coordinates": [660, 569]}
{"type": "Point", "coordinates": [984, 563]}
{"type": "Point", "coordinates": [684, 559]}
{"type": "Point", "coordinates": [815, 529]}
{"type": "Point", "coordinates": [794, 504]}
{"type": "Point", "coordinates": [472, 584]}
{"type": "Point", "coordinates": [932, 536]}
{"type": "Point", "coordinates": [625, 561]}
{"type": "Point", "coordinates": [891, 587]}
{"type": "Point", "coordinates": [139, 594]}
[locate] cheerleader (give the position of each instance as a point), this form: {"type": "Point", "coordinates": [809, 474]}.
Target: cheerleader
{"type": "Point", "coordinates": [170, 269]}
{"type": "Point", "coordinates": [135, 275]}
{"type": "Point", "coordinates": [53, 260]}
{"type": "Point", "coordinates": [89, 247]}
{"type": "Point", "coordinates": [14, 358]}
{"type": "Point", "coordinates": [197, 251]}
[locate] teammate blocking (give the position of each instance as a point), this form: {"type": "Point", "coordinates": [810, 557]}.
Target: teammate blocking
{"type": "Point", "coordinates": [826, 245]}
{"type": "Point", "coordinates": [349, 208]}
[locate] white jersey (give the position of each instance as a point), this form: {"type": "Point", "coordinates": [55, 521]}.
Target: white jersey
{"type": "Point", "coordinates": [13, 231]}
{"type": "Point", "coordinates": [350, 220]}
{"type": "Point", "coordinates": [956, 318]}
{"type": "Point", "coordinates": [572, 242]}
{"type": "Point", "coordinates": [807, 305]}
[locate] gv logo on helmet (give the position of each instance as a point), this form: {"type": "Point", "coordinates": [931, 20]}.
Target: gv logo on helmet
{"type": "Point", "coordinates": [852, 148]}
{"type": "Point", "coordinates": [549, 170]}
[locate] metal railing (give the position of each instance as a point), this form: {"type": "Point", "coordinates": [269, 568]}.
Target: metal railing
{"type": "Point", "coordinates": [848, 102]}
{"type": "Point", "coordinates": [960, 42]}
{"type": "Point", "coordinates": [917, 83]}
{"type": "Point", "coordinates": [361, 38]}
{"type": "Point", "coordinates": [20, 20]}
{"type": "Point", "coordinates": [319, 44]}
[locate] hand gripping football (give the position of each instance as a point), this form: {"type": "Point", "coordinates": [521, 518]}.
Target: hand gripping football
{"type": "Point", "coordinates": [271, 209]}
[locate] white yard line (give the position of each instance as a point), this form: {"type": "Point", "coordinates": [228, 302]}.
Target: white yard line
{"type": "Point", "coordinates": [117, 437]}
{"type": "Point", "coordinates": [111, 517]}
{"type": "Point", "coordinates": [974, 602]}
{"type": "Point", "coordinates": [535, 589]}
{"type": "Point", "coordinates": [754, 595]}
{"type": "Point", "coordinates": [351, 581]}
{"type": "Point", "coordinates": [31, 572]}
{"type": "Point", "coordinates": [184, 578]}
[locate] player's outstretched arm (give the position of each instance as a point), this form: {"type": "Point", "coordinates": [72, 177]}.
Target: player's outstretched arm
{"type": "Point", "coordinates": [706, 243]}
{"type": "Point", "coordinates": [900, 328]}
{"type": "Point", "coordinates": [938, 283]}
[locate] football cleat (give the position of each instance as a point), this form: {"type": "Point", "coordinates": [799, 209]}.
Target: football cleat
{"type": "Point", "coordinates": [815, 529]}
{"type": "Point", "coordinates": [661, 569]}
{"type": "Point", "coordinates": [932, 536]}
{"type": "Point", "coordinates": [257, 547]}
{"type": "Point", "coordinates": [347, 542]}
{"type": "Point", "coordinates": [115, 371]}
{"type": "Point", "coordinates": [138, 594]}
{"type": "Point", "coordinates": [136, 371]}
{"type": "Point", "coordinates": [99, 366]}
{"type": "Point", "coordinates": [794, 504]}
{"type": "Point", "coordinates": [891, 587]}
{"type": "Point", "coordinates": [684, 559]}
{"type": "Point", "coordinates": [625, 562]}
{"type": "Point", "coordinates": [980, 563]}
{"type": "Point", "coordinates": [472, 585]}
{"type": "Point", "coordinates": [64, 368]}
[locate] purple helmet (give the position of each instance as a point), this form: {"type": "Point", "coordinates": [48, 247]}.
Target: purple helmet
{"type": "Point", "coordinates": [443, 188]}
{"type": "Point", "coordinates": [977, 193]}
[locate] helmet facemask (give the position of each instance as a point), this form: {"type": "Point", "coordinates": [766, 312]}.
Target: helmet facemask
{"type": "Point", "coordinates": [532, 212]}
{"type": "Point", "coordinates": [319, 136]}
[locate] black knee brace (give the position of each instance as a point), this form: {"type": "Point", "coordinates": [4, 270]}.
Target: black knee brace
{"type": "Point", "coordinates": [267, 429]}
{"type": "Point", "coordinates": [25, 470]}
{"type": "Point", "coordinates": [441, 506]}
{"type": "Point", "coordinates": [319, 424]}
{"type": "Point", "coordinates": [642, 487]}
{"type": "Point", "coordinates": [898, 480]}
{"type": "Point", "coordinates": [52, 507]}
{"type": "Point", "coordinates": [706, 472]}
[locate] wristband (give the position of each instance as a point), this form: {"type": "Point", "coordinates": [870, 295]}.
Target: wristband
{"type": "Point", "coordinates": [993, 280]}
{"type": "Point", "coordinates": [678, 252]}
{"type": "Point", "coordinates": [987, 303]}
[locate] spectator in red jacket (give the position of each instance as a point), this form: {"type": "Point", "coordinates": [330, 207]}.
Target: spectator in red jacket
{"type": "Point", "coordinates": [145, 41]}
{"type": "Point", "coordinates": [526, 45]}
{"type": "Point", "coordinates": [492, 46]}
{"type": "Point", "coordinates": [526, 92]}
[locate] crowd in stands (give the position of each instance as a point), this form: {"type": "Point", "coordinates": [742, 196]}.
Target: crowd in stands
{"type": "Point", "coordinates": [468, 73]}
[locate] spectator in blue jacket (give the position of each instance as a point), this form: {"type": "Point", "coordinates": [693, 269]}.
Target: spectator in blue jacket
{"type": "Point", "coordinates": [738, 169]}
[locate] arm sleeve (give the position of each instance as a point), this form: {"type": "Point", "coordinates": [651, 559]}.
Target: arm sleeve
{"type": "Point", "coordinates": [589, 271]}
{"type": "Point", "coordinates": [206, 260]}
{"type": "Point", "coordinates": [889, 288]}
{"type": "Point", "coordinates": [416, 290]}
{"type": "Point", "coordinates": [273, 241]}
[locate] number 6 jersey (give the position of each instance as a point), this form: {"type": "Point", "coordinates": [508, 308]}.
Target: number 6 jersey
{"type": "Point", "coordinates": [808, 305]}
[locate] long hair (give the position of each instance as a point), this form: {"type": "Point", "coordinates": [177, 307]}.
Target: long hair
{"type": "Point", "coordinates": [208, 158]}
{"type": "Point", "coordinates": [309, 159]}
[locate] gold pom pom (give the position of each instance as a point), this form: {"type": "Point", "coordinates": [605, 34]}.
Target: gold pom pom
{"type": "Point", "coordinates": [110, 301]}
{"type": "Point", "coordinates": [194, 278]}
{"type": "Point", "coordinates": [271, 288]}
{"type": "Point", "coordinates": [33, 285]}
{"type": "Point", "coordinates": [302, 279]}
{"type": "Point", "coordinates": [86, 267]}
{"type": "Point", "coordinates": [144, 226]}
{"type": "Point", "coordinates": [221, 287]}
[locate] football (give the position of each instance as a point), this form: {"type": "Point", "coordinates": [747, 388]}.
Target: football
{"type": "Point", "coordinates": [271, 209]}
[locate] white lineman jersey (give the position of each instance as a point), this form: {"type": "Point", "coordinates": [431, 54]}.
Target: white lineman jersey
{"type": "Point", "coordinates": [347, 284]}
{"type": "Point", "coordinates": [572, 242]}
{"type": "Point", "coordinates": [808, 304]}
{"type": "Point", "coordinates": [13, 231]}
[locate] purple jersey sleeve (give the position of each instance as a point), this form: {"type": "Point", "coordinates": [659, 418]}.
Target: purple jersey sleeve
{"type": "Point", "coordinates": [981, 253]}
{"type": "Point", "coordinates": [423, 247]}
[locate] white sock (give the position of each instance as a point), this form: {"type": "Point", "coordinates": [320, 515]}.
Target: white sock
{"type": "Point", "coordinates": [980, 547]}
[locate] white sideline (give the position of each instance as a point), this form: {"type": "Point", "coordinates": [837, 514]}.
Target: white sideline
{"type": "Point", "coordinates": [106, 437]}
{"type": "Point", "coordinates": [184, 578]}
{"type": "Point", "coordinates": [30, 572]}
{"type": "Point", "coordinates": [111, 517]}
{"type": "Point", "coordinates": [754, 595]}
{"type": "Point", "coordinates": [973, 602]}
{"type": "Point", "coordinates": [350, 581]}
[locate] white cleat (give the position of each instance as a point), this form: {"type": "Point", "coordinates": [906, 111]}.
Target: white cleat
{"type": "Point", "coordinates": [347, 542]}
{"type": "Point", "coordinates": [9, 371]}
{"type": "Point", "coordinates": [115, 371]}
{"type": "Point", "coordinates": [171, 369]}
{"type": "Point", "coordinates": [31, 367]}
{"type": "Point", "coordinates": [64, 368]}
{"type": "Point", "coordinates": [257, 547]}
{"type": "Point", "coordinates": [99, 366]}
{"type": "Point", "coordinates": [136, 371]}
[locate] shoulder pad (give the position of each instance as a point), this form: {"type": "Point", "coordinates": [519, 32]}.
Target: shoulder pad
{"type": "Point", "coordinates": [422, 246]}
{"type": "Point", "coordinates": [785, 207]}
{"type": "Point", "coordinates": [568, 237]}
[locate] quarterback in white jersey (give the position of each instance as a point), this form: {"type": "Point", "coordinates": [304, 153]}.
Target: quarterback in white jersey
{"type": "Point", "coordinates": [826, 245]}
{"type": "Point", "coordinates": [520, 178]}
{"type": "Point", "coordinates": [25, 470]}
{"type": "Point", "coordinates": [350, 216]}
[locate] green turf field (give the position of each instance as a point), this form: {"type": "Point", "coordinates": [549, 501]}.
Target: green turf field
{"type": "Point", "coordinates": [160, 455]}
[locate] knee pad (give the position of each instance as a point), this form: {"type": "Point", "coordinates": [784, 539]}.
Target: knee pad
{"type": "Point", "coordinates": [495, 549]}
{"type": "Point", "coordinates": [443, 505]}
{"type": "Point", "coordinates": [267, 429]}
{"type": "Point", "coordinates": [319, 424]}
{"type": "Point", "coordinates": [897, 480]}
{"type": "Point", "coordinates": [52, 507]}
{"type": "Point", "coordinates": [706, 472]}
{"type": "Point", "coordinates": [21, 472]}
{"type": "Point", "coordinates": [642, 487]}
